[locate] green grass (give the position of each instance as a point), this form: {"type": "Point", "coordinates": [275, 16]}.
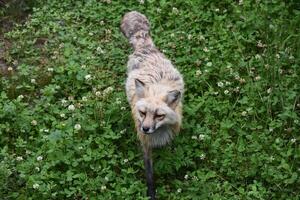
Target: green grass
{"type": "Point", "coordinates": [240, 135]}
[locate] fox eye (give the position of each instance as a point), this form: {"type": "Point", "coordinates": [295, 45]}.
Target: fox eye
{"type": "Point", "coordinates": [142, 113]}
{"type": "Point", "coordinates": [160, 117]}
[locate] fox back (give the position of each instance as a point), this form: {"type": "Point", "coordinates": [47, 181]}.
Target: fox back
{"type": "Point", "coordinates": [154, 87]}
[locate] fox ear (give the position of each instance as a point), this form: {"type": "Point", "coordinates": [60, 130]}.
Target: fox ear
{"type": "Point", "coordinates": [139, 88]}
{"type": "Point", "coordinates": [173, 98]}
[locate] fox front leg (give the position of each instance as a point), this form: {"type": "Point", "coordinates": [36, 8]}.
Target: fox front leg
{"type": "Point", "coordinates": [149, 172]}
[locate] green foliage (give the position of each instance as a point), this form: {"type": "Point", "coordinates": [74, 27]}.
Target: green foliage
{"type": "Point", "coordinates": [65, 125]}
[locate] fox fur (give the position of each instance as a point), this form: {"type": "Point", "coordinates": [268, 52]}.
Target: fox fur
{"type": "Point", "coordinates": [153, 84]}
{"type": "Point", "coordinates": [154, 90]}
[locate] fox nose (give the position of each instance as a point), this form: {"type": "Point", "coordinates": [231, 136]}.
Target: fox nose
{"type": "Point", "coordinates": [145, 129]}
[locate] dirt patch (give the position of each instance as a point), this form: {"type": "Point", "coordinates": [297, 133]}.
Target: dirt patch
{"type": "Point", "coordinates": [12, 12]}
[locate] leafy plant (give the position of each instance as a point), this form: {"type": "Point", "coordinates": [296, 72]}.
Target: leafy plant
{"type": "Point", "coordinates": [65, 125]}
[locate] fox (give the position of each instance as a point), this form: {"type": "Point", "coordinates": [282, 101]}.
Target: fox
{"type": "Point", "coordinates": [154, 89]}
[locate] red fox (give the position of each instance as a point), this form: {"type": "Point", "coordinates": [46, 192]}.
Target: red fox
{"type": "Point", "coordinates": [154, 91]}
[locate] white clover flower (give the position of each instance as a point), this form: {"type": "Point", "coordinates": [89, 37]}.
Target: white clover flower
{"type": "Point", "coordinates": [202, 156]}
{"type": "Point", "coordinates": [195, 178]}
{"type": "Point", "coordinates": [46, 130]}
{"type": "Point", "coordinates": [39, 158]}
{"type": "Point", "coordinates": [186, 177]}
{"type": "Point", "coordinates": [242, 80]}
{"type": "Point", "coordinates": [33, 81]}
{"type": "Point", "coordinates": [106, 178]}
{"type": "Point", "coordinates": [201, 37]}
{"type": "Point", "coordinates": [175, 10]}
{"type": "Point", "coordinates": [293, 140]}
{"type": "Point", "coordinates": [123, 131]}
{"type": "Point", "coordinates": [123, 108]}
{"type": "Point", "coordinates": [102, 123]}
{"type": "Point", "coordinates": [244, 113]}
{"type": "Point", "coordinates": [88, 77]}
{"type": "Point", "coordinates": [108, 90]}
{"type": "Point", "coordinates": [277, 56]}
{"type": "Point", "coordinates": [19, 158]}
{"type": "Point", "coordinates": [71, 107]}
{"type": "Point", "coordinates": [61, 45]}
{"type": "Point", "coordinates": [226, 91]}
{"type": "Point", "coordinates": [107, 31]}
{"type": "Point", "coordinates": [179, 190]}
{"type": "Point", "coordinates": [217, 9]}
{"type": "Point", "coordinates": [100, 50]}
{"type": "Point", "coordinates": [291, 57]}
{"type": "Point", "coordinates": [84, 98]}
{"type": "Point", "coordinates": [91, 33]}
{"type": "Point", "coordinates": [62, 115]}
{"type": "Point", "coordinates": [249, 109]}
{"type": "Point", "coordinates": [20, 97]}
{"type": "Point", "coordinates": [257, 78]}
{"type": "Point", "coordinates": [260, 44]}
{"type": "Point", "coordinates": [9, 69]}
{"type": "Point", "coordinates": [201, 137]}
{"type": "Point", "coordinates": [237, 89]}
{"type": "Point", "coordinates": [198, 72]}
{"type": "Point", "coordinates": [141, 1]}
{"type": "Point", "coordinates": [209, 64]}
{"type": "Point", "coordinates": [37, 169]}
{"type": "Point", "coordinates": [34, 122]}
{"type": "Point", "coordinates": [98, 93]}
{"type": "Point", "coordinates": [227, 83]}
{"type": "Point", "coordinates": [189, 36]}
{"type": "Point", "coordinates": [172, 35]}
{"type": "Point", "coordinates": [64, 102]}
{"type": "Point", "coordinates": [35, 186]}
{"type": "Point", "coordinates": [257, 56]}
{"type": "Point", "coordinates": [240, 2]}
{"type": "Point", "coordinates": [205, 49]}
{"type": "Point", "coordinates": [103, 187]}
{"type": "Point", "coordinates": [125, 160]}
{"type": "Point", "coordinates": [271, 129]}
{"type": "Point", "coordinates": [269, 90]}
{"type": "Point", "coordinates": [118, 101]}
{"type": "Point", "coordinates": [80, 148]}
{"type": "Point", "coordinates": [220, 84]}
{"type": "Point", "coordinates": [194, 137]}
{"type": "Point", "coordinates": [77, 127]}
{"type": "Point", "coordinates": [215, 93]}
{"type": "Point", "coordinates": [83, 66]}
{"type": "Point", "coordinates": [102, 22]}
{"type": "Point", "coordinates": [50, 69]}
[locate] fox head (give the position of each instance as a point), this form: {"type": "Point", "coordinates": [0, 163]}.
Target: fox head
{"type": "Point", "coordinates": [155, 106]}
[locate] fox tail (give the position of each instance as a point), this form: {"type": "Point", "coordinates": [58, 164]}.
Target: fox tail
{"type": "Point", "coordinates": [136, 27]}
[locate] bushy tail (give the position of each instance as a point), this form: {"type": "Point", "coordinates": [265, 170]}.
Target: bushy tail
{"type": "Point", "coordinates": [136, 27]}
